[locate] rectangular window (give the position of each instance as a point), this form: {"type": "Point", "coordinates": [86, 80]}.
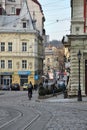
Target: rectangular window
{"type": "Point", "coordinates": [9, 64]}
{"type": "Point", "coordinates": [11, 0]}
{"type": "Point", "coordinates": [24, 24]}
{"type": "Point", "coordinates": [48, 60]}
{"type": "Point", "coordinates": [18, 11]}
{"type": "Point", "coordinates": [24, 64]}
{"type": "Point", "coordinates": [9, 46]}
{"type": "Point", "coordinates": [24, 46]}
{"type": "Point", "coordinates": [2, 46]}
{"type": "Point", "coordinates": [2, 64]}
{"type": "Point", "coordinates": [13, 10]}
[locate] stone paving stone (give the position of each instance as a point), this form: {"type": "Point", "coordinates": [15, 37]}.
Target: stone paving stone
{"type": "Point", "coordinates": [50, 129]}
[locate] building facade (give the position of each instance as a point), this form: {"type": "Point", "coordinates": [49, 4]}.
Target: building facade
{"type": "Point", "coordinates": [77, 40]}
{"type": "Point", "coordinates": [21, 49]}
{"type": "Point", "coordinates": [53, 59]}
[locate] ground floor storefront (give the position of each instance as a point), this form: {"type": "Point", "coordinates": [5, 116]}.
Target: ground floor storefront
{"type": "Point", "coordinates": [20, 77]}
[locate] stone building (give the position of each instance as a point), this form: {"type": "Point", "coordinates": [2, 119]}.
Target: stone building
{"type": "Point", "coordinates": [77, 40]}
{"type": "Point", "coordinates": [21, 48]}
{"type": "Point", "coordinates": [53, 58]}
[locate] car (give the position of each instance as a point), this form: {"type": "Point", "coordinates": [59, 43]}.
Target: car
{"type": "Point", "coordinates": [49, 84]}
{"type": "Point", "coordinates": [5, 87]}
{"type": "Point", "coordinates": [25, 86]}
{"type": "Point", "coordinates": [15, 86]}
{"type": "Point", "coordinates": [61, 84]}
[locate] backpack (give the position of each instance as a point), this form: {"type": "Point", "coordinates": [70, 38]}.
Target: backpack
{"type": "Point", "coordinates": [30, 85]}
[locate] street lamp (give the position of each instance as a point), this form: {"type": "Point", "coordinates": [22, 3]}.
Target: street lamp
{"type": "Point", "coordinates": [79, 87]}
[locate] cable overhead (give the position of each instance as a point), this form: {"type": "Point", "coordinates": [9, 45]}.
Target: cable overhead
{"type": "Point", "coordinates": [51, 3]}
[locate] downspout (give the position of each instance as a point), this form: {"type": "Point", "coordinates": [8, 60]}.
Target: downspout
{"type": "Point", "coordinates": [84, 16]}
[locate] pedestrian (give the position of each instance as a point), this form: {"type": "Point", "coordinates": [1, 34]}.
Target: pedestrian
{"type": "Point", "coordinates": [68, 77]}
{"type": "Point", "coordinates": [64, 86]}
{"type": "Point", "coordinates": [53, 89]}
{"type": "Point", "coordinates": [35, 87]}
{"type": "Point", "coordinates": [46, 82]}
{"type": "Point", "coordinates": [30, 88]}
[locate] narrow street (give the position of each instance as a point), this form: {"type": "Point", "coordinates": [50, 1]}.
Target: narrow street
{"type": "Point", "coordinates": [17, 112]}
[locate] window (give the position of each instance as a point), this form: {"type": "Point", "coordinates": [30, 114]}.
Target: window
{"type": "Point", "coordinates": [77, 29]}
{"type": "Point", "coordinates": [24, 24]}
{"type": "Point", "coordinates": [2, 64]}
{"type": "Point", "coordinates": [24, 64]}
{"type": "Point", "coordinates": [2, 46]}
{"type": "Point", "coordinates": [9, 64]}
{"type": "Point", "coordinates": [13, 10]}
{"type": "Point", "coordinates": [48, 67]}
{"type": "Point", "coordinates": [48, 60]}
{"type": "Point", "coordinates": [18, 11]}
{"type": "Point", "coordinates": [24, 46]}
{"type": "Point", "coordinates": [9, 46]}
{"type": "Point", "coordinates": [11, 0]}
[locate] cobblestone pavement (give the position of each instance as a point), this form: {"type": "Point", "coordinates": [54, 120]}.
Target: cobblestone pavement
{"type": "Point", "coordinates": [68, 114]}
{"type": "Point", "coordinates": [65, 114]}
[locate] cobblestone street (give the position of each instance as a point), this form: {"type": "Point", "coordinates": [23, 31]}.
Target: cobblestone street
{"type": "Point", "coordinates": [56, 113]}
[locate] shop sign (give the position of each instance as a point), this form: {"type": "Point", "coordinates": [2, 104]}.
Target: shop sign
{"type": "Point", "coordinates": [24, 72]}
{"type": "Point", "coordinates": [6, 73]}
{"type": "Point", "coordinates": [51, 75]}
{"type": "Point", "coordinates": [36, 77]}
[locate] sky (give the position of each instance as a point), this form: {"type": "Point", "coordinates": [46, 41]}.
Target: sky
{"type": "Point", "coordinates": [57, 18]}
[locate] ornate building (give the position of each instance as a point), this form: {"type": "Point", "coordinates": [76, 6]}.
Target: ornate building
{"type": "Point", "coordinates": [77, 40]}
{"type": "Point", "coordinates": [21, 46]}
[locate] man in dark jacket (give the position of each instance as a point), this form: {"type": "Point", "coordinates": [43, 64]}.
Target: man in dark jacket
{"type": "Point", "coordinates": [30, 88]}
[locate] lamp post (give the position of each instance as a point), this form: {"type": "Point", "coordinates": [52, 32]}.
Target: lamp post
{"type": "Point", "coordinates": [79, 87]}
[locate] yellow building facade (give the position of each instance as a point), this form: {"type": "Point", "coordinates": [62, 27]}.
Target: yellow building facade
{"type": "Point", "coordinates": [21, 49]}
{"type": "Point", "coordinates": [18, 65]}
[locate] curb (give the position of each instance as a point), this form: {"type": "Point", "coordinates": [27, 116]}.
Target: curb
{"type": "Point", "coordinates": [1, 93]}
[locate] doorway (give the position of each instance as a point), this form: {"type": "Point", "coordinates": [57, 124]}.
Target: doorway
{"type": "Point", "coordinates": [23, 79]}
{"type": "Point", "coordinates": [6, 80]}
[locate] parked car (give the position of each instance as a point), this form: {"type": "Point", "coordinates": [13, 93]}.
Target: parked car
{"type": "Point", "coordinates": [61, 84]}
{"type": "Point", "coordinates": [5, 87]}
{"type": "Point", "coordinates": [25, 86]}
{"type": "Point", "coordinates": [15, 86]}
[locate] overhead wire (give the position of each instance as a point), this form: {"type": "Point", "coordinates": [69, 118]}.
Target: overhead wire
{"type": "Point", "coordinates": [59, 20]}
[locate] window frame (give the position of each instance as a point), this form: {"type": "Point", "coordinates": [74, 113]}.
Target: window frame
{"type": "Point", "coordinates": [2, 64]}
{"type": "Point", "coordinates": [11, 0]}
{"type": "Point", "coordinates": [3, 46]}
{"type": "Point", "coordinates": [13, 10]}
{"type": "Point", "coordinates": [24, 24]}
{"type": "Point", "coordinates": [24, 46]}
{"type": "Point", "coordinates": [24, 64]}
{"type": "Point", "coordinates": [9, 64]}
{"type": "Point", "coordinates": [10, 46]}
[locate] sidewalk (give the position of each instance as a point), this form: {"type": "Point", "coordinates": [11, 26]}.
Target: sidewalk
{"type": "Point", "coordinates": [60, 99]}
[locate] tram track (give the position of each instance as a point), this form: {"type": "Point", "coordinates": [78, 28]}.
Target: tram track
{"type": "Point", "coordinates": [43, 117]}
{"type": "Point", "coordinates": [21, 116]}
{"type": "Point", "coordinates": [13, 119]}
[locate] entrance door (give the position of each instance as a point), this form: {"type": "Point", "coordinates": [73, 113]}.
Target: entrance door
{"type": "Point", "coordinates": [23, 79]}
{"type": "Point", "coordinates": [86, 77]}
{"type": "Point", "coordinates": [6, 80]}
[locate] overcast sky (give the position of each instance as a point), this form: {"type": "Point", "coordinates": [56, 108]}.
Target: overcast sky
{"type": "Point", "coordinates": [57, 14]}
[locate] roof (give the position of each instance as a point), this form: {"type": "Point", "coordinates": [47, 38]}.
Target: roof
{"type": "Point", "coordinates": [37, 2]}
{"type": "Point", "coordinates": [14, 23]}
